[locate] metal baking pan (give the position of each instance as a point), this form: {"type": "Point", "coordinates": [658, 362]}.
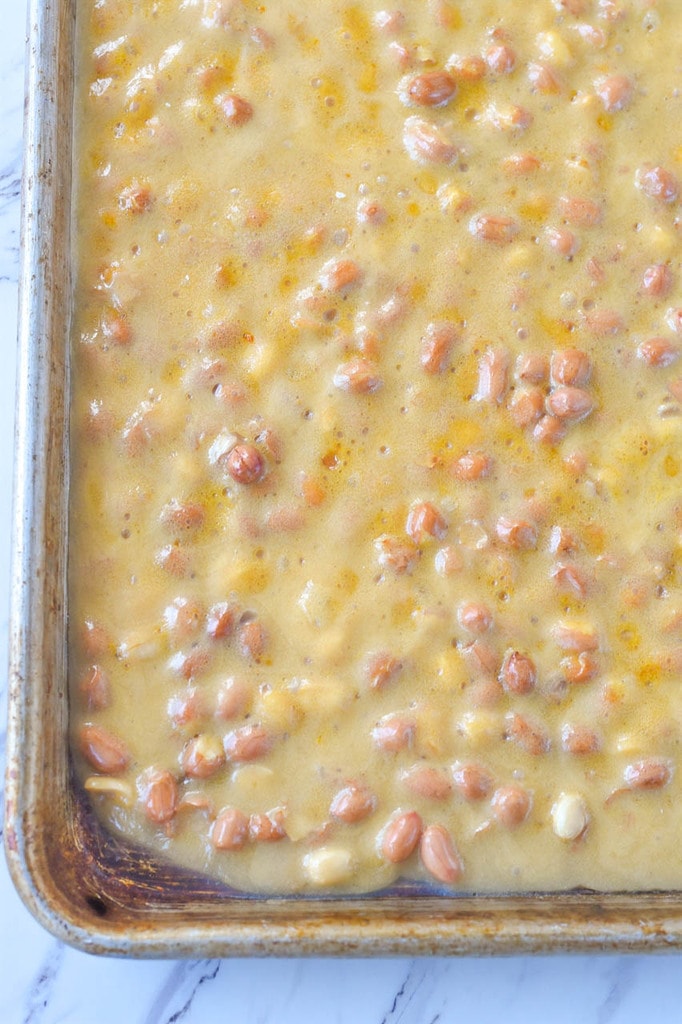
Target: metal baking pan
{"type": "Point", "coordinates": [79, 883]}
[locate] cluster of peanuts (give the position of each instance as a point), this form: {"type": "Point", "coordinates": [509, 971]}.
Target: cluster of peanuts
{"type": "Point", "coordinates": [546, 411]}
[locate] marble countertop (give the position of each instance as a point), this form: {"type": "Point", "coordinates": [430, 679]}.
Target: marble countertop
{"type": "Point", "coordinates": [45, 982]}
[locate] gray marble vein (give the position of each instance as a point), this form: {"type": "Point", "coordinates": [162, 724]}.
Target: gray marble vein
{"type": "Point", "coordinates": [182, 985]}
{"type": "Point", "coordinates": [621, 978]}
{"type": "Point", "coordinates": [38, 997]}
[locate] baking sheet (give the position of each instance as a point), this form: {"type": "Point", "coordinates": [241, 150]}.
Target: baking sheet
{"type": "Point", "coordinates": [80, 883]}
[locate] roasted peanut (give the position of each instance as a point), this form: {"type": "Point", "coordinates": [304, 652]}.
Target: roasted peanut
{"type": "Point", "coordinates": [439, 855]}
{"type": "Point", "coordinates": [401, 836]}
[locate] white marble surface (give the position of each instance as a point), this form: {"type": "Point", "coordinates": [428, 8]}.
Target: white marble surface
{"type": "Point", "coordinates": [44, 982]}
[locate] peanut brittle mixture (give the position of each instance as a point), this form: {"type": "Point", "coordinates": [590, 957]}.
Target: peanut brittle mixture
{"type": "Point", "coordinates": [377, 409]}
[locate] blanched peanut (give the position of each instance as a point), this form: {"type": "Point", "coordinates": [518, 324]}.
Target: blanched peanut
{"type": "Point", "coordinates": [381, 669]}
{"type": "Point", "coordinates": [116, 789]}
{"type": "Point", "coordinates": [494, 227]}
{"type": "Point", "coordinates": [245, 464]}
{"type": "Point", "coordinates": [518, 673]}
{"type": "Point", "coordinates": [649, 773]}
{"type": "Point", "coordinates": [570, 403]}
{"type": "Point", "coordinates": [570, 816]}
{"type": "Point", "coordinates": [500, 58]}
{"type": "Point", "coordinates": [570, 366]}
{"type": "Point", "coordinates": [474, 617]}
{"type": "Point", "coordinates": [158, 794]}
{"type": "Point", "coordinates": [328, 866]}
{"type": "Point", "coordinates": [247, 743]}
{"type": "Point", "coordinates": [657, 280]}
{"type": "Point", "coordinates": [427, 143]}
{"type": "Point", "coordinates": [268, 827]}
{"type": "Point", "coordinates": [425, 781]}
{"type": "Point", "coordinates": [353, 803]}
{"type": "Point", "coordinates": [526, 734]}
{"type": "Point", "coordinates": [511, 805]}
{"type": "Point", "coordinates": [472, 781]}
{"type": "Point", "coordinates": [230, 830]}
{"type": "Point", "coordinates": [202, 756]}
{"type": "Point", "coordinates": [439, 855]}
{"type": "Point", "coordinates": [221, 620]}
{"type": "Point", "coordinates": [424, 521]}
{"type": "Point", "coordinates": [183, 515]}
{"type": "Point", "coordinates": [615, 92]}
{"type": "Point", "coordinates": [235, 109]}
{"type": "Point", "coordinates": [429, 89]}
{"type": "Point", "coordinates": [472, 466]}
{"type": "Point", "coordinates": [580, 212]}
{"type": "Point", "coordinates": [358, 376]}
{"type": "Point", "coordinates": [394, 732]}
{"type": "Point", "coordinates": [516, 533]}
{"type": "Point", "coordinates": [400, 556]}
{"type": "Point", "coordinates": [493, 368]}
{"type": "Point", "coordinates": [400, 837]}
{"type": "Point", "coordinates": [658, 352]}
{"type": "Point", "coordinates": [579, 740]}
{"type": "Point", "coordinates": [657, 183]}
{"type": "Point", "coordinates": [101, 749]}
{"type": "Point", "coordinates": [95, 688]}
{"type": "Point", "coordinates": [436, 345]}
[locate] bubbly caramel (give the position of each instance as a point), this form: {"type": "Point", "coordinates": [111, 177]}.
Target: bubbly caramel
{"type": "Point", "coordinates": [375, 500]}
